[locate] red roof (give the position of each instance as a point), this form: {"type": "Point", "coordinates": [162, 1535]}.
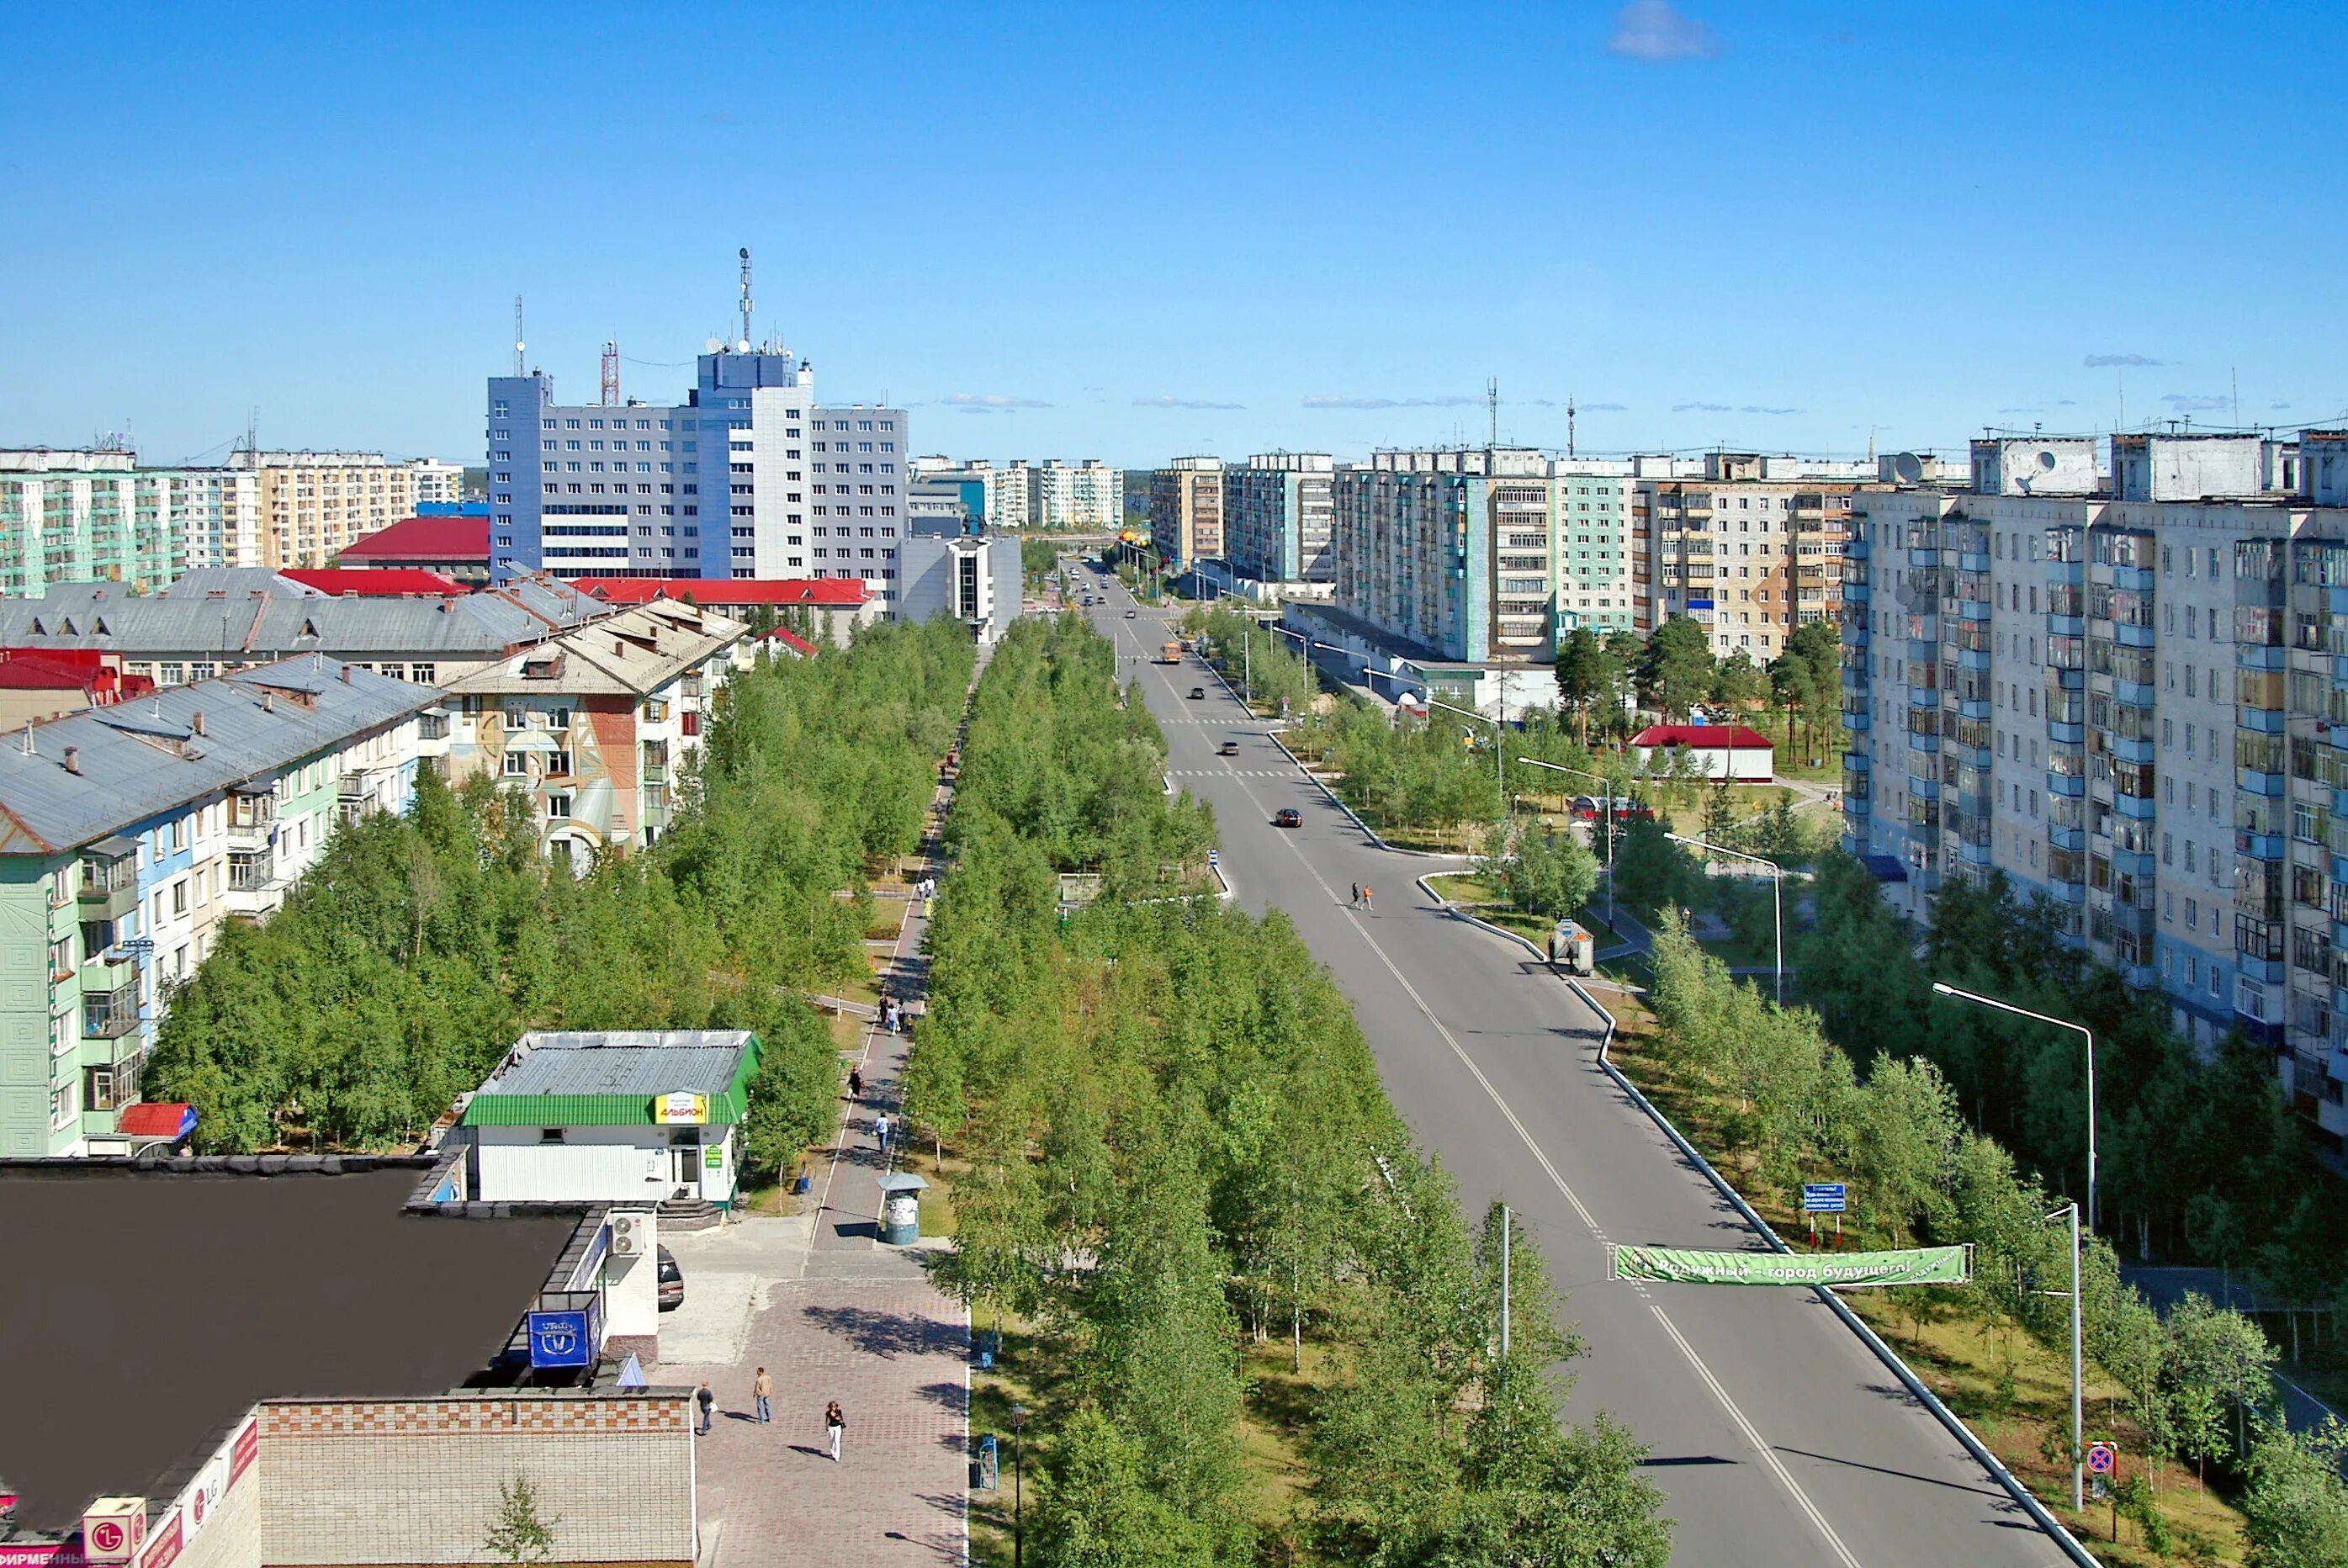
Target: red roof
{"type": "Point", "coordinates": [156, 1119]}
{"type": "Point", "coordinates": [423, 538]}
{"type": "Point", "coordinates": [1735, 736]}
{"type": "Point", "coordinates": [828, 593]}
{"type": "Point", "coordinates": [790, 639]}
{"type": "Point", "coordinates": [379, 583]}
{"type": "Point", "coordinates": [69, 669]}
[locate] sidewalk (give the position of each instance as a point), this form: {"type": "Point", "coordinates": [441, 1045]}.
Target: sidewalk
{"type": "Point", "coordinates": [831, 1313]}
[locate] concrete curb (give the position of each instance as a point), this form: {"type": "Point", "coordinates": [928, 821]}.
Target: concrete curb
{"type": "Point", "coordinates": [1368, 831]}
{"type": "Point", "coordinates": [2039, 1514]}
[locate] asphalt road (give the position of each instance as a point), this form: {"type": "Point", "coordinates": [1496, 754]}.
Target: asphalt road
{"type": "Point", "coordinates": [1777, 1436]}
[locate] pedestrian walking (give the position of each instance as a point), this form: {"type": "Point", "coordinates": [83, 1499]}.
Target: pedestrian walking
{"type": "Point", "coordinates": [707, 1400]}
{"type": "Point", "coordinates": [881, 1131]}
{"type": "Point", "coordinates": [1354, 902]}
{"type": "Point", "coordinates": [1369, 901]}
{"type": "Point", "coordinates": [855, 1083]}
{"type": "Point", "coordinates": [762, 1389]}
{"type": "Point", "coordinates": [833, 1422]}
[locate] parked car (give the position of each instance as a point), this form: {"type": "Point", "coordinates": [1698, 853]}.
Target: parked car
{"type": "Point", "coordinates": [671, 1282]}
{"type": "Point", "coordinates": [1288, 817]}
{"type": "Point", "coordinates": [1228, 748]}
{"type": "Point", "coordinates": [1584, 809]}
{"type": "Point", "coordinates": [1198, 693]}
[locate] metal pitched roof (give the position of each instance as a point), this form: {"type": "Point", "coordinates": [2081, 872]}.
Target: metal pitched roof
{"type": "Point", "coordinates": [632, 653]}
{"type": "Point", "coordinates": [249, 612]}
{"type": "Point", "coordinates": [611, 1078]}
{"type": "Point", "coordinates": [144, 756]}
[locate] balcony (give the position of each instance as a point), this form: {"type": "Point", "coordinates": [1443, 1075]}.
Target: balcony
{"type": "Point", "coordinates": [109, 1014]}
{"type": "Point", "coordinates": [109, 879]}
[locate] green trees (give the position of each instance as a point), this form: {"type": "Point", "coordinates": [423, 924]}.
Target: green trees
{"type": "Point", "coordinates": [1544, 873]}
{"type": "Point", "coordinates": [1589, 679]}
{"type": "Point", "coordinates": [1178, 1146]}
{"type": "Point", "coordinates": [1676, 668]}
{"type": "Point", "coordinates": [2297, 1505]}
{"type": "Point", "coordinates": [1250, 653]}
{"type": "Point", "coordinates": [418, 947]}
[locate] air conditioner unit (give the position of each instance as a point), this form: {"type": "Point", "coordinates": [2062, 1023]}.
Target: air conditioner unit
{"type": "Point", "coordinates": [630, 1235]}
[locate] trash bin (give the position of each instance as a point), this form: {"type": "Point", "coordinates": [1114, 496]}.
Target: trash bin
{"type": "Point", "coordinates": [900, 1208]}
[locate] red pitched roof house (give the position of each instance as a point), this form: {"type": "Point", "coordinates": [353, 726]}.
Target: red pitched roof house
{"type": "Point", "coordinates": [381, 582]}
{"type": "Point", "coordinates": [1730, 752]}
{"type": "Point", "coordinates": [785, 637]}
{"type": "Point", "coordinates": [38, 684]}
{"type": "Point", "coordinates": [456, 547]}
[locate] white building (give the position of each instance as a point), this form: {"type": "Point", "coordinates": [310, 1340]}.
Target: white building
{"type": "Point", "coordinates": [1749, 549]}
{"type": "Point", "coordinates": [633, 1116]}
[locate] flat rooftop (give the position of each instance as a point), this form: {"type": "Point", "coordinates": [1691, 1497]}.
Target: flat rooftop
{"type": "Point", "coordinates": [146, 1307]}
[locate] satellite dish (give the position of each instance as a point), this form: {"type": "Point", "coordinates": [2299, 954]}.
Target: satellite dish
{"type": "Point", "coordinates": [712, 344]}
{"type": "Point", "coordinates": [2045, 459]}
{"type": "Point", "coordinates": [1909, 468]}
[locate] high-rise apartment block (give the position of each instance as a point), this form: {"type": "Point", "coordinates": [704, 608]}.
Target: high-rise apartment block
{"type": "Point", "coordinates": [1276, 518]}
{"type": "Point", "coordinates": [2127, 690]}
{"type": "Point", "coordinates": [1186, 511]}
{"type": "Point", "coordinates": [1085, 497]}
{"type": "Point", "coordinates": [87, 516]}
{"type": "Point", "coordinates": [1750, 548]}
{"type": "Point", "coordinates": [748, 477]}
{"type": "Point", "coordinates": [314, 504]}
{"type": "Point", "coordinates": [1483, 555]}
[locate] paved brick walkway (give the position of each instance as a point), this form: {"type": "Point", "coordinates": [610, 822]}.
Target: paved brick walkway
{"type": "Point", "coordinates": [832, 1314]}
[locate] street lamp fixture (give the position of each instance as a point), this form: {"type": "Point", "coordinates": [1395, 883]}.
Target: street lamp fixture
{"type": "Point", "coordinates": [1777, 901]}
{"type": "Point", "coordinates": [1018, 1477]}
{"type": "Point", "coordinates": [1942, 990]}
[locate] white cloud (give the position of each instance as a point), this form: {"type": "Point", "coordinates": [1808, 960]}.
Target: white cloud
{"type": "Point", "coordinates": [987, 402]}
{"type": "Point", "coordinates": [1652, 30]}
{"type": "Point", "coordinates": [1757, 408]}
{"type": "Point", "coordinates": [2188, 403]}
{"type": "Point", "coordinates": [1328, 402]}
{"type": "Point", "coordinates": [1700, 409]}
{"type": "Point", "coordinates": [2124, 361]}
{"type": "Point", "coordinates": [1162, 401]}
{"type": "Point", "coordinates": [1604, 408]}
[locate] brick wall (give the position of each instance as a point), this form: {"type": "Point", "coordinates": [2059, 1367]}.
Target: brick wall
{"type": "Point", "coordinates": [414, 1482]}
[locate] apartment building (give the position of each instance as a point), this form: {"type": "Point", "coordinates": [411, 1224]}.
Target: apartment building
{"type": "Point", "coordinates": [1276, 518]}
{"type": "Point", "coordinates": [1186, 511]}
{"type": "Point", "coordinates": [1596, 547]}
{"type": "Point", "coordinates": [1086, 498]}
{"type": "Point", "coordinates": [86, 515]}
{"type": "Point", "coordinates": [129, 833]}
{"type": "Point", "coordinates": [748, 477]}
{"type": "Point", "coordinates": [600, 723]}
{"type": "Point", "coordinates": [314, 505]}
{"type": "Point", "coordinates": [1749, 549]}
{"type": "Point", "coordinates": [211, 622]}
{"type": "Point", "coordinates": [2124, 689]}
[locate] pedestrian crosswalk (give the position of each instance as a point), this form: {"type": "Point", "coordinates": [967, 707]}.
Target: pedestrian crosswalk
{"type": "Point", "coordinates": [1231, 772]}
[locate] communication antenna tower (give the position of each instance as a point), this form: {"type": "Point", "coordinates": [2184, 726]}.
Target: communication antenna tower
{"type": "Point", "coordinates": [1569, 425]}
{"type": "Point", "coordinates": [611, 373]}
{"type": "Point", "coordinates": [519, 371]}
{"type": "Point", "coordinates": [745, 339]}
{"type": "Point", "coordinates": [1492, 405]}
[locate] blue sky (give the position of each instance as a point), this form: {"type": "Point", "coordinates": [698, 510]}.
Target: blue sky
{"type": "Point", "coordinates": [1132, 232]}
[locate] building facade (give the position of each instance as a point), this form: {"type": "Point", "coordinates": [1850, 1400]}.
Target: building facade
{"type": "Point", "coordinates": [598, 724]}
{"type": "Point", "coordinates": [132, 832]}
{"type": "Point", "coordinates": [314, 505]}
{"type": "Point", "coordinates": [748, 477]}
{"type": "Point", "coordinates": [1085, 497]}
{"type": "Point", "coordinates": [1750, 550]}
{"type": "Point", "coordinates": [1276, 518]}
{"type": "Point", "coordinates": [2125, 690]}
{"type": "Point", "coordinates": [1186, 511]}
{"type": "Point", "coordinates": [973, 578]}
{"type": "Point", "coordinates": [84, 515]}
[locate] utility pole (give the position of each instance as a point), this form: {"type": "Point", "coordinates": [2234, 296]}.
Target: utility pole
{"type": "Point", "coordinates": [1506, 1226]}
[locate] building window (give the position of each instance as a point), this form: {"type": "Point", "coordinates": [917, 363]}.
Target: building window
{"type": "Point", "coordinates": [557, 808]}
{"type": "Point", "coordinates": [516, 765]}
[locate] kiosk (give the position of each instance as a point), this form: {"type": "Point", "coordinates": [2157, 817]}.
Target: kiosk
{"type": "Point", "coordinates": [900, 1208]}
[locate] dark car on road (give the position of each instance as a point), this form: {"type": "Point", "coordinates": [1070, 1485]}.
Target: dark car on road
{"type": "Point", "coordinates": [1197, 692]}
{"type": "Point", "coordinates": [1288, 817]}
{"type": "Point", "coordinates": [671, 1282]}
{"type": "Point", "coordinates": [1228, 748]}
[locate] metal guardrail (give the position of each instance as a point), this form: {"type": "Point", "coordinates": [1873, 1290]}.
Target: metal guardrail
{"type": "Point", "coordinates": [2028, 1500]}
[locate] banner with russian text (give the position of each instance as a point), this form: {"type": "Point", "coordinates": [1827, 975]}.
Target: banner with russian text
{"type": "Point", "coordinates": [1679, 1265]}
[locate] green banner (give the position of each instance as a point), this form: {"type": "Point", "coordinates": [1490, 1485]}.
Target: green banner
{"type": "Point", "coordinates": [1677, 1265]}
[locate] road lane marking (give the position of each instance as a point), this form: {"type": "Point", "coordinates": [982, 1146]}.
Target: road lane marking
{"type": "Point", "coordinates": [1766, 1452]}
{"type": "Point", "coordinates": [1704, 1372]}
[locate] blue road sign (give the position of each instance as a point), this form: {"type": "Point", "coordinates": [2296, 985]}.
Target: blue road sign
{"type": "Point", "coordinates": [1822, 1197]}
{"type": "Point", "coordinates": [2101, 1456]}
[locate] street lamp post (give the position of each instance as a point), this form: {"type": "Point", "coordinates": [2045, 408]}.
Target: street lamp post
{"type": "Point", "coordinates": [2093, 1216]}
{"type": "Point", "coordinates": [1607, 786]}
{"type": "Point", "coordinates": [1776, 902]}
{"type": "Point", "coordinates": [1018, 1477]}
{"type": "Point", "coordinates": [2078, 1364]}
{"type": "Point", "coordinates": [1500, 746]}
